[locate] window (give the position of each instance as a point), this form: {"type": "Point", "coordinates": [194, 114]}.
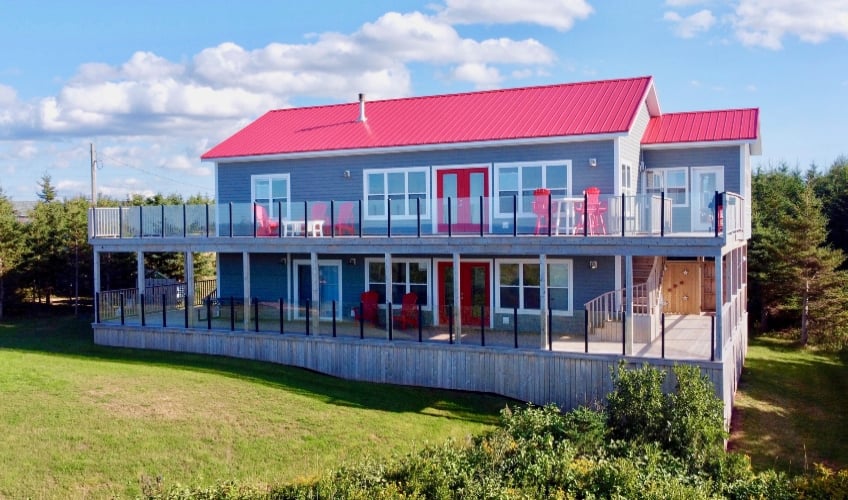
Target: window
{"type": "Point", "coordinates": [397, 190]}
{"type": "Point", "coordinates": [408, 276]}
{"type": "Point", "coordinates": [521, 179]}
{"type": "Point", "coordinates": [272, 192]}
{"type": "Point", "coordinates": [519, 285]}
{"type": "Point", "coordinates": [673, 181]}
{"type": "Point", "coordinates": [626, 179]}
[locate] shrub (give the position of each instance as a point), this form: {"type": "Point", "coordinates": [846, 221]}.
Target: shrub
{"type": "Point", "coordinates": [635, 407]}
{"type": "Point", "coordinates": [695, 418]}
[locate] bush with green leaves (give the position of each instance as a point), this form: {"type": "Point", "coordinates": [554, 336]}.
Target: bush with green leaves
{"type": "Point", "coordinates": [688, 423]}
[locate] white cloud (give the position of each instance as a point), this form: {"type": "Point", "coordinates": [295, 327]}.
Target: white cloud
{"type": "Point", "coordinates": [684, 3]}
{"type": "Point", "coordinates": [765, 23]}
{"type": "Point", "coordinates": [481, 75]}
{"type": "Point", "coordinates": [8, 95]}
{"type": "Point", "coordinates": [558, 14]}
{"type": "Point", "coordinates": [688, 27]}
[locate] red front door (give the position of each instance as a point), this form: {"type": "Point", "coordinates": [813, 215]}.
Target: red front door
{"type": "Point", "coordinates": [462, 189]}
{"type": "Point", "coordinates": [473, 292]}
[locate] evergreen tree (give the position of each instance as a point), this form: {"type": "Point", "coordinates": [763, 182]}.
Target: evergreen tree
{"type": "Point", "coordinates": [10, 244]}
{"type": "Point", "coordinates": [46, 234]}
{"type": "Point", "coordinates": [810, 273]}
{"type": "Point", "coordinates": [832, 189]}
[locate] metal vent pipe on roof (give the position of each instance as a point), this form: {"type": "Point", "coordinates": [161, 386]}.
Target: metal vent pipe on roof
{"type": "Point", "coordinates": [362, 107]}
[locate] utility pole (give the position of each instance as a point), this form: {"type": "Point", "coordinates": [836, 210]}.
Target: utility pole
{"type": "Point", "coordinates": [93, 176]}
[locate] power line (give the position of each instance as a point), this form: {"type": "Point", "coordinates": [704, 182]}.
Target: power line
{"type": "Point", "coordinates": [205, 189]}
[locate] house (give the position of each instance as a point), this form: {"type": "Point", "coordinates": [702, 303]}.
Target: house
{"type": "Point", "coordinates": [517, 241]}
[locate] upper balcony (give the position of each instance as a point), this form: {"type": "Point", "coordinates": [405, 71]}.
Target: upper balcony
{"type": "Point", "coordinates": [585, 218]}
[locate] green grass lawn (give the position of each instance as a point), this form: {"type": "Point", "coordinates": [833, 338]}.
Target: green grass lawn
{"type": "Point", "coordinates": [791, 408]}
{"type": "Point", "coordinates": [79, 420]}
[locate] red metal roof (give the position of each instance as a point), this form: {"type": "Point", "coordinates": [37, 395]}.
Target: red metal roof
{"type": "Point", "coordinates": [588, 108]}
{"type": "Point", "coordinates": [703, 126]}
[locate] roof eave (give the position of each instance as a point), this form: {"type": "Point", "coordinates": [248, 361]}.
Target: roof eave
{"type": "Point", "coordinates": [756, 146]}
{"type": "Point", "coordinates": [416, 148]}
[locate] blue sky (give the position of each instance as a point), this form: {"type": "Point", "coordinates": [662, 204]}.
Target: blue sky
{"type": "Point", "coordinates": [155, 84]}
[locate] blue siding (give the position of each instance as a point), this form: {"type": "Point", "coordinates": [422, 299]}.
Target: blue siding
{"type": "Point", "coordinates": [323, 178]}
{"type": "Point", "coordinates": [727, 156]}
{"type": "Point", "coordinates": [230, 271]}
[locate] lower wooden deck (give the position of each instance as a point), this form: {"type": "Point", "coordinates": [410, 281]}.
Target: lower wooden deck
{"type": "Point", "coordinates": [561, 376]}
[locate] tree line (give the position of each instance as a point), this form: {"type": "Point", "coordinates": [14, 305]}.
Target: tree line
{"type": "Point", "coordinates": [49, 256]}
{"type": "Point", "coordinates": [798, 274]}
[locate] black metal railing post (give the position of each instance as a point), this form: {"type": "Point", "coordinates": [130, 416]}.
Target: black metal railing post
{"type": "Point", "coordinates": [483, 325]}
{"type": "Point", "coordinates": [185, 312]}
{"type": "Point", "coordinates": [162, 210]}
{"type": "Point", "coordinates": [334, 319]}
{"type": "Point", "coordinates": [481, 216]}
{"type": "Point", "coordinates": [360, 218]}
{"type": "Point", "coordinates": [254, 219]}
{"type": "Point", "coordinates": [550, 325]}
{"type": "Point", "coordinates": [120, 222]}
{"type": "Point", "coordinates": [715, 213]}
{"type": "Point", "coordinates": [586, 331]}
{"type": "Point", "coordinates": [230, 215]}
{"type": "Point", "coordinates": [662, 335]}
{"type": "Point", "coordinates": [143, 320]}
{"type": "Point", "coordinates": [140, 222]}
{"type": "Point", "coordinates": [450, 323]}
{"type": "Point", "coordinates": [389, 309]}
{"type": "Point", "coordinates": [279, 219]}
{"type": "Point", "coordinates": [207, 220]}
{"type": "Point", "coordinates": [121, 298]}
{"type": "Point", "coordinates": [208, 313]}
{"type": "Point", "coordinates": [232, 313]}
{"type": "Point", "coordinates": [332, 219]}
{"type": "Point", "coordinates": [256, 314]}
{"type": "Point", "coordinates": [185, 229]}
{"type": "Point", "coordinates": [450, 218]}
{"type": "Point", "coordinates": [623, 328]}
{"type": "Point", "coordinates": [712, 338]}
{"type": "Point", "coordinates": [515, 327]}
{"type": "Point", "coordinates": [420, 323]}
{"type": "Point", "coordinates": [389, 218]}
{"type": "Point", "coordinates": [361, 320]}
{"type": "Point", "coordinates": [550, 212]}
{"type": "Point", "coordinates": [623, 218]}
{"type": "Point", "coordinates": [164, 310]}
{"type": "Point", "coordinates": [305, 219]}
{"type": "Point", "coordinates": [418, 215]}
{"type": "Point", "coordinates": [585, 214]}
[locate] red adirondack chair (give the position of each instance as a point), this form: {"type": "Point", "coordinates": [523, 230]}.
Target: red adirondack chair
{"type": "Point", "coordinates": [541, 199]}
{"type": "Point", "coordinates": [369, 310]}
{"type": "Point", "coordinates": [265, 225]}
{"type": "Point", "coordinates": [345, 221]}
{"type": "Point", "coordinates": [408, 316]}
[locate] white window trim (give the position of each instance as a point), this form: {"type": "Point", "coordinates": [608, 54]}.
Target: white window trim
{"type": "Point", "coordinates": [497, 188]}
{"type": "Point", "coordinates": [421, 262]}
{"type": "Point", "coordinates": [425, 206]}
{"type": "Point", "coordinates": [627, 188]}
{"type": "Point", "coordinates": [521, 309]}
{"type": "Point", "coordinates": [663, 172]}
{"type": "Point", "coordinates": [271, 177]}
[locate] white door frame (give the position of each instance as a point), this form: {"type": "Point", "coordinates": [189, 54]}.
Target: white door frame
{"type": "Point", "coordinates": [695, 197]}
{"type": "Point", "coordinates": [296, 282]}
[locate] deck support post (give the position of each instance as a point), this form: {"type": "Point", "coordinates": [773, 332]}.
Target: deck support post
{"type": "Point", "coordinates": [388, 264]}
{"type": "Point", "coordinates": [245, 262]}
{"type": "Point", "coordinates": [457, 302]}
{"type": "Point", "coordinates": [719, 314]}
{"type": "Point", "coordinates": [545, 328]}
{"type": "Point", "coordinates": [628, 305]}
{"type": "Point", "coordinates": [96, 272]}
{"type": "Point", "coordinates": [188, 295]}
{"type": "Point", "coordinates": [315, 313]}
{"type": "Point", "coordinates": [140, 272]}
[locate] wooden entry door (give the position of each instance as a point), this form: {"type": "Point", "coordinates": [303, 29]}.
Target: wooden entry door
{"type": "Point", "coordinates": [473, 294]}
{"type": "Point", "coordinates": [462, 189]}
{"type": "Point", "coordinates": [682, 287]}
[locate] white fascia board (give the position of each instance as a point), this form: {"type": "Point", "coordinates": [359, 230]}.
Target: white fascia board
{"type": "Point", "coordinates": [423, 147]}
{"type": "Point", "coordinates": [701, 144]}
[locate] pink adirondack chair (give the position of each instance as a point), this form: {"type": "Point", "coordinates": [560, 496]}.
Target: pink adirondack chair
{"type": "Point", "coordinates": [265, 225]}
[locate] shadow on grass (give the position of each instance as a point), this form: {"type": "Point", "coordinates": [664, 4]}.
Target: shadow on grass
{"type": "Point", "coordinates": [791, 407]}
{"type": "Point", "coordinates": [67, 336]}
